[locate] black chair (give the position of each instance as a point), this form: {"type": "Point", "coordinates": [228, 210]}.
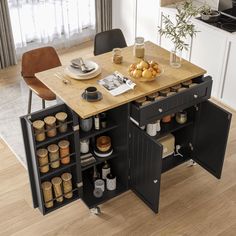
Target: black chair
{"type": "Point", "coordinates": [107, 40]}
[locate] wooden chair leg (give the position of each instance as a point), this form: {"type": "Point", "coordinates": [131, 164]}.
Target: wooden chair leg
{"type": "Point", "coordinates": [43, 103]}
{"type": "Point", "coordinates": [29, 101]}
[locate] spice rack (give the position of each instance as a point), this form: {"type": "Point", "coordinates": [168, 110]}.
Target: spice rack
{"type": "Point", "coordinates": [32, 145]}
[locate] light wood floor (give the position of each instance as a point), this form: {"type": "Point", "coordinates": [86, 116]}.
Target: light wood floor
{"type": "Point", "coordinates": [192, 203]}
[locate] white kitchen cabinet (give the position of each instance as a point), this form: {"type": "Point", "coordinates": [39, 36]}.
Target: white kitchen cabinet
{"type": "Point", "coordinates": [166, 42]}
{"type": "Point", "coordinates": [147, 19]}
{"type": "Point", "coordinates": [229, 86]}
{"type": "Point", "coordinates": [208, 52]}
{"type": "Point", "coordinates": [124, 17]}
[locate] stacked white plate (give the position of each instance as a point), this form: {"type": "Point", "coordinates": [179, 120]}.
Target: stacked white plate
{"type": "Point", "coordinates": [79, 75]}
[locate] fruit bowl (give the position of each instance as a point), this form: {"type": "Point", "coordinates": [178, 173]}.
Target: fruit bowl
{"type": "Point", "coordinates": [145, 71]}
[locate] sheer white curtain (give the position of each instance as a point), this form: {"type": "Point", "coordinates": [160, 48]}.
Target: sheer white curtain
{"type": "Point", "coordinates": [58, 22]}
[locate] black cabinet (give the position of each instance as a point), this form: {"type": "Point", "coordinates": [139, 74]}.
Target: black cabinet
{"type": "Point", "coordinates": [210, 137]}
{"type": "Point", "coordinates": [202, 138]}
{"type": "Point", "coordinates": [145, 167]}
{"type": "Point", "coordinates": [137, 159]}
{"type": "Point", "coordinates": [31, 146]}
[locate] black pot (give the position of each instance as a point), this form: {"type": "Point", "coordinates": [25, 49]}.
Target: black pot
{"type": "Point", "coordinates": [212, 18]}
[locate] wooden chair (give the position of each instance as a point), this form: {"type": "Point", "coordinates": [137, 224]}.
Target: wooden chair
{"type": "Point", "coordinates": [108, 40]}
{"type": "Point", "coordinates": [35, 61]}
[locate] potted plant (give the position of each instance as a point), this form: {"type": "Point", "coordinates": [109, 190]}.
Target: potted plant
{"type": "Point", "coordinates": [209, 15]}
{"type": "Point", "coordinates": [180, 30]}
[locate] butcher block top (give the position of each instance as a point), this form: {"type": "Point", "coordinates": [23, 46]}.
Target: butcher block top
{"type": "Point", "coordinates": [71, 93]}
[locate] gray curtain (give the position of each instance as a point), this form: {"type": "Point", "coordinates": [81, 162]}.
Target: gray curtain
{"type": "Point", "coordinates": [7, 47]}
{"type": "Point", "coordinates": [103, 15]}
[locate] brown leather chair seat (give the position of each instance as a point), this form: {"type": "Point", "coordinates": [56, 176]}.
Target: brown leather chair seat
{"type": "Point", "coordinates": [35, 61]}
{"type": "Point", "coordinates": [40, 89]}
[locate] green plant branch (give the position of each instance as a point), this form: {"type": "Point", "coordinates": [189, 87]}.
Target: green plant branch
{"type": "Point", "coordinates": [179, 31]}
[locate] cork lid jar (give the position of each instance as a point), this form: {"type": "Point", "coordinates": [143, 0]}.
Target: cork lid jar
{"type": "Point", "coordinates": [42, 152]}
{"type": "Point", "coordinates": [50, 120]}
{"type": "Point", "coordinates": [61, 116]}
{"type": "Point", "coordinates": [53, 148]}
{"type": "Point", "coordinates": [64, 144]}
{"type": "Point", "coordinates": [66, 176]}
{"type": "Point", "coordinates": [38, 124]}
{"type": "Point", "coordinates": [46, 185]}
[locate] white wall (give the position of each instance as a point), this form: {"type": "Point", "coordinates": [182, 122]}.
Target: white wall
{"type": "Point", "coordinates": [123, 17]}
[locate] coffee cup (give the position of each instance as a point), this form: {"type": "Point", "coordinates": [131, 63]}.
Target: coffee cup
{"type": "Point", "coordinates": [91, 93]}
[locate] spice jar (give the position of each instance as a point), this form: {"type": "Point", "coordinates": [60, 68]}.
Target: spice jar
{"type": "Point", "coordinates": [57, 188]}
{"type": "Point", "coordinates": [61, 120]}
{"type": "Point", "coordinates": [84, 146]}
{"type": "Point", "coordinates": [67, 185]}
{"type": "Point", "coordinates": [103, 119]}
{"type": "Point", "coordinates": [50, 122]}
{"type": "Point", "coordinates": [47, 194]}
{"type": "Point", "coordinates": [166, 119]}
{"type": "Point", "coordinates": [175, 88]}
{"type": "Point", "coordinates": [159, 98]}
{"type": "Point", "coordinates": [64, 151]}
{"type": "Point", "coordinates": [53, 150]}
{"type": "Point", "coordinates": [181, 117]}
{"type": "Point", "coordinates": [116, 56]}
{"type": "Point", "coordinates": [187, 83]}
{"type": "Point", "coordinates": [42, 154]}
{"type": "Point", "coordinates": [139, 47]}
{"type": "Point", "coordinates": [164, 92]}
{"type": "Point", "coordinates": [170, 93]}
{"type": "Point", "coordinates": [38, 126]}
{"type": "Point", "coordinates": [140, 101]}
{"type": "Point", "coordinates": [152, 96]}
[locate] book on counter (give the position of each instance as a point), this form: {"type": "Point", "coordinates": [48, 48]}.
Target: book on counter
{"type": "Point", "coordinates": [116, 83]}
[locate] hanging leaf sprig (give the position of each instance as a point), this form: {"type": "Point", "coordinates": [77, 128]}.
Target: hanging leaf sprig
{"type": "Point", "coordinates": [182, 28]}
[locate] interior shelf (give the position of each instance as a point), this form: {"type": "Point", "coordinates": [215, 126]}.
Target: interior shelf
{"type": "Point", "coordinates": [170, 127]}
{"type": "Point", "coordinates": [100, 160]}
{"type": "Point", "coordinates": [92, 133]}
{"type": "Point", "coordinates": [53, 172]}
{"type": "Point", "coordinates": [92, 201]}
{"type": "Point", "coordinates": [65, 201]}
{"type": "Point", "coordinates": [59, 136]}
{"type": "Point", "coordinates": [172, 161]}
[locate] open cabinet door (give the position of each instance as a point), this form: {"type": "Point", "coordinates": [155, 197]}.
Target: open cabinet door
{"type": "Point", "coordinates": [211, 134]}
{"type": "Point", "coordinates": [145, 167]}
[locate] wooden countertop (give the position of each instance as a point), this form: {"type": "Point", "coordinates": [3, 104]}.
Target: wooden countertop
{"type": "Point", "coordinates": [71, 93]}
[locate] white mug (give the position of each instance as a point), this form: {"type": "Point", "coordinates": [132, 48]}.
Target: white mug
{"type": "Point", "coordinates": [84, 146]}
{"type": "Point", "coordinates": [152, 129]}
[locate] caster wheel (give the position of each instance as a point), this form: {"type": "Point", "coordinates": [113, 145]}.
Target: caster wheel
{"type": "Point", "coordinates": [95, 210]}
{"type": "Point", "coordinates": [191, 163]}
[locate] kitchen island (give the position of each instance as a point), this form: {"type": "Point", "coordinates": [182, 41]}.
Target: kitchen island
{"type": "Point", "coordinates": [137, 158]}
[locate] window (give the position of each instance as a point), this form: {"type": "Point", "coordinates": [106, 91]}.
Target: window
{"type": "Point", "coordinates": [37, 22]}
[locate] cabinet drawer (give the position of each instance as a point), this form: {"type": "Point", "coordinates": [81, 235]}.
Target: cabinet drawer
{"type": "Point", "coordinates": [174, 103]}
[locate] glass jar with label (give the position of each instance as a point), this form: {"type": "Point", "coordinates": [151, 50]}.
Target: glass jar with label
{"type": "Point", "coordinates": [139, 47]}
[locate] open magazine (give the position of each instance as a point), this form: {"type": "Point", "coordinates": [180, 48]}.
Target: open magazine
{"type": "Point", "coordinates": [116, 83]}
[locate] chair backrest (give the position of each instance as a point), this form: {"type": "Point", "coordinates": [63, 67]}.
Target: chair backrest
{"type": "Point", "coordinates": [38, 60]}
{"type": "Point", "coordinates": [108, 40]}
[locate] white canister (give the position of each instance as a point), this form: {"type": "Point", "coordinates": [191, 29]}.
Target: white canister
{"type": "Point", "coordinates": [84, 146]}
{"type": "Point", "coordinates": [111, 182]}
{"type": "Point", "coordinates": [152, 129]}
{"type": "Point", "coordinates": [158, 126]}
{"type": "Point", "coordinates": [99, 183]}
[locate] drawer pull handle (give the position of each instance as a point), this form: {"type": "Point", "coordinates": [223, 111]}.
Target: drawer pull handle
{"type": "Point", "coordinates": [160, 110]}
{"type": "Point", "coordinates": [195, 96]}
{"type": "Point", "coordinates": [155, 181]}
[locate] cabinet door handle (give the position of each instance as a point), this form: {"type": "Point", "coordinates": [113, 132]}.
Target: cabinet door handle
{"type": "Point", "coordinates": [195, 96]}
{"type": "Point", "coordinates": [155, 181]}
{"type": "Point", "coordinates": [160, 110]}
